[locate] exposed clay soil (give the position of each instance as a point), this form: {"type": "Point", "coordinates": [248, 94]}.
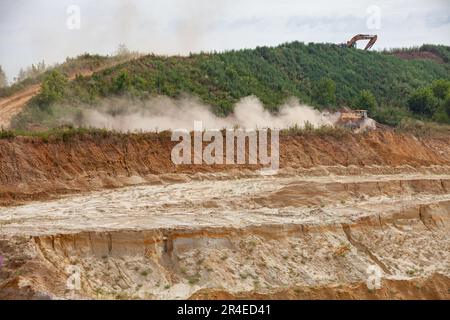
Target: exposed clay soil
{"type": "Point", "coordinates": [419, 55]}
{"type": "Point", "coordinates": [311, 231]}
{"type": "Point", "coordinates": [32, 169]}
{"type": "Point", "coordinates": [11, 106]}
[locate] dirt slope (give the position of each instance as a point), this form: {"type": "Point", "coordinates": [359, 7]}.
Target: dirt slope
{"type": "Point", "coordinates": [432, 288]}
{"type": "Point", "coordinates": [13, 105]}
{"type": "Point", "coordinates": [34, 169]}
{"type": "Point", "coordinates": [215, 240]}
{"type": "Point", "coordinates": [338, 206]}
{"type": "Point", "coordinates": [419, 55]}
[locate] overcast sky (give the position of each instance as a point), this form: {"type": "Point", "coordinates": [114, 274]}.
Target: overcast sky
{"type": "Point", "coordinates": [33, 30]}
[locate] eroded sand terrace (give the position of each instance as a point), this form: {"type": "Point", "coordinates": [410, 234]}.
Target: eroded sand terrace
{"type": "Point", "coordinates": [286, 236]}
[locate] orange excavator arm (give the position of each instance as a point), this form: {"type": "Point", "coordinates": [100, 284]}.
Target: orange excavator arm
{"type": "Point", "coordinates": [373, 39]}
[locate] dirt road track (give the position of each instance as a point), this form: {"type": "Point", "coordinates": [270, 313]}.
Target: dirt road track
{"type": "Point", "coordinates": [13, 105]}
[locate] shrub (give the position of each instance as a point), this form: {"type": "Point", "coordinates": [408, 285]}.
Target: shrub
{"type": "Point", "coordinates": [441, 115]}
{"type": "Point", "coordinates": [420, 128]}
{"type": "Point", "coordinates": [423, 101]}
{"type": "Point", "coordinates": [325, 92]}
{"type": "Point", "coordinates": [6, 134]}
{"type": "Point", "coordinates": [53, 89]}
{"type": "Point", "coordinates": [123, 82]}
{"type": "Point", "coordinates": [447, 104]}
{"type": "Point", "coordinates": [367, 101]}
{"type": "Point", "coordinates": [440, 88]}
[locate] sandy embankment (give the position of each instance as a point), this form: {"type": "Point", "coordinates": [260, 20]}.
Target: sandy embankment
{"type": "Point", "coordinates": [32, 169]}
{"type": "Point", "coordinates": [337, 207]}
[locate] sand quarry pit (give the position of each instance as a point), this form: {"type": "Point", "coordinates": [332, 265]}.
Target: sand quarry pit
{"type": "Point", "coordinates": [77, 225]}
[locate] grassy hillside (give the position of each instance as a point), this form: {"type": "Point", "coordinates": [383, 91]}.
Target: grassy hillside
{"type": "Point", "coordinates": [322, 75]}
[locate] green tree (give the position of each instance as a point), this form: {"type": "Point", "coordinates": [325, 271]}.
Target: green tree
{"type": "Point", "coordinates": [122, 82]}
{"type": "Point", "coordinates": [440, 88]}
{"type": "Point", "coordinates": [423, 102]}
{"type": "Point", "coordinates": [53, 88]}
{"type": "Point", "coordinates": [325, 92]}
{"type": "Point", "coordinates": [367, 101]}
{"type": "Point", "coordinates": [3, 79]}
{"type": "Point", "coordinates": [442, 113]}
{"type": "Point", "coordinates": [447, 104]}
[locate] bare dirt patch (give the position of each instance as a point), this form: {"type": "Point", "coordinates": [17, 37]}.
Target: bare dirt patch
{"type": "Point", "coordinates": [419, 55]}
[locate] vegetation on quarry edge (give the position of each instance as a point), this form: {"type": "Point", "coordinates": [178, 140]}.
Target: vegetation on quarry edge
{"type": "Point", "coordinates": [66, 134]}
{"type": "Point", "coordinates": [322, 75]}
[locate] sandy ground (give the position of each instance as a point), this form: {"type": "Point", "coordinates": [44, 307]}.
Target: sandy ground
{"type": "Point", "coordinates": [11, 106]}
{"type": "Point", "coordinates": [238, 203]}
{"type": "Point", "coordinates": [259, 237]}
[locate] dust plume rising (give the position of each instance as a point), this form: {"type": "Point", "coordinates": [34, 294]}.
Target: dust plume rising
{"type": "Point", "coordinates": [127, 15]}
{"type": "Point", "coordinates": [196, 22]}
{"type": "Point", "coordinates": [163, 113]}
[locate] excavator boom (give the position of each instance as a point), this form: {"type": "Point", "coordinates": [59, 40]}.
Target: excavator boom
{"type": "Point", "coordinates": [373, 39]}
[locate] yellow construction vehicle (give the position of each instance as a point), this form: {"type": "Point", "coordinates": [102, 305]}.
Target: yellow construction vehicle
{"type": "Point", "coordinates": [352, 43]}
{"type": "Point", "coordinates": [353, 118]}
{"type": "Point", "coordinates": [354, 115]}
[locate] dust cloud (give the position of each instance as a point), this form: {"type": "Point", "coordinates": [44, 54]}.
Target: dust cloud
{"type": "Point", "coordinates": [163, 113]}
